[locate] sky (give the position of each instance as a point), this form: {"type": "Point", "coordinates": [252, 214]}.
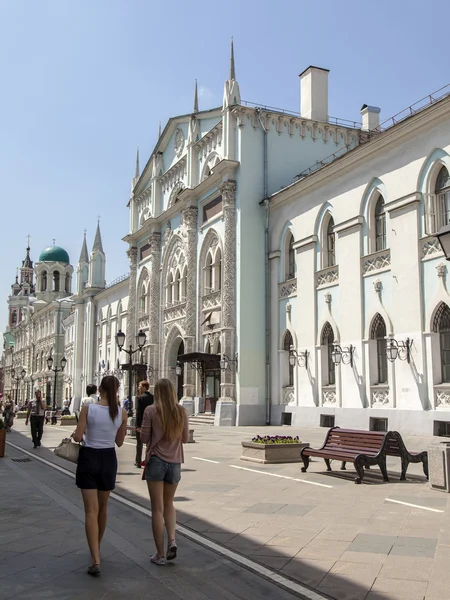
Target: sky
{"type": "Point", "coordinates": [84, 83]}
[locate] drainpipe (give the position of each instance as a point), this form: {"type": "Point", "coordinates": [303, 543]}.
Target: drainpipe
{"type": "Point", "coordinates": [265, 202]}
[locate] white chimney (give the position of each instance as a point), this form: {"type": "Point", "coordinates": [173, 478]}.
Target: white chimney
{"type": "Point", "coordinates": [370, 117]}
{"type": "Point", "coordinates": [314, 94]}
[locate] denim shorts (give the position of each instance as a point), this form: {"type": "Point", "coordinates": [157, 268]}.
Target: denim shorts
{"type": "Point", "coordinates": [160, 470]}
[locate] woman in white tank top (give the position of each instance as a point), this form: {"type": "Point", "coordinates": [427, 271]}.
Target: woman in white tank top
{"type": "Point", "coordinates": [103, 426]}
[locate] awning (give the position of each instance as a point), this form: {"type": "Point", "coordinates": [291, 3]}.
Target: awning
{"type": "Point", "coordinates": [207, 361]}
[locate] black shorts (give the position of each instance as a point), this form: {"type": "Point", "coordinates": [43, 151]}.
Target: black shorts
{"type": "Point", "coordinates": [96, 469]}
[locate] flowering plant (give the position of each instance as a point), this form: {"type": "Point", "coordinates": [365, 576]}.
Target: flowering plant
{"type": "Point", "coordinates": [276, 439]}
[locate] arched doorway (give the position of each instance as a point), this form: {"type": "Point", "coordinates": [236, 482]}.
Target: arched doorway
{"type": "Point", "coordinates": [212, 382]}
{"type": "Point", "coordinates": [180, 378]}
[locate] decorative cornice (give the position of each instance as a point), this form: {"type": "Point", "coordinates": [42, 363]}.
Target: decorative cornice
{"type": "Point", "coordinates": [305, 243]}
{"type": "Point", "coordinates": [346, 226]}
{"type": "Point", "coordinates": [410, 199]}
{"type": "Point", "coordinates": [174, 174]}
{"type": "Point", "coordinates": [210, 140]}
{"type": "Point", "coordinates": [393, 136]}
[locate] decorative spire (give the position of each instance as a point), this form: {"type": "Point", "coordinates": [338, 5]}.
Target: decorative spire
{"type": "Point", "coordinates": [98, 240]}
{"type": "Point", "coordinates": [137, 173]}
{"type": "Point", "coordinates": [232, 68]}
{"type": "Point", "coordinates": [27, 263]}
{"type": "Point", "coordinates": [84, 257]}
{"type": "Point", "coordinates": [196, 98]}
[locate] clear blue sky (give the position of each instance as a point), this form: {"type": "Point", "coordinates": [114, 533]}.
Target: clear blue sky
{"type": "Point", "coordinates": [84, 83]}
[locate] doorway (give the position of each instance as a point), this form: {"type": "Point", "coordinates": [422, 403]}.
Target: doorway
{"type": "Point", "coordinates": [180, 378]}
{"type": "Point", "coordinates": [212, 389]}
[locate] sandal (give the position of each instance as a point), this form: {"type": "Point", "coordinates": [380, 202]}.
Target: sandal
{"type": "Point", "coordinates": [172, 550]}
{"type": "Point", "coordinates": [94, 570]}
{"type": "Point", "coordinates": [158, 560]}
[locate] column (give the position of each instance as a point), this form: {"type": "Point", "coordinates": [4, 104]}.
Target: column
{"type": "Point", "coordinates": [155, 304]}
{"type": "Point", "coordinates": [131, 331]}
{"type": "Point", "coordinates": [226, 406]}
{"type": "Point", "coordinates": [190, 223]}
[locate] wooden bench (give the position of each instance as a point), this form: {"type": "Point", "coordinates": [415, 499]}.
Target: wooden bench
{"type": "Point", "coordinates": [363, 448]}
{"type": "Point", "coordinates": [396, 447]}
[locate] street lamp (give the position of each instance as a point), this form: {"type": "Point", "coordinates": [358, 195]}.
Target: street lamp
{"type": "Point", "coordinates": [443, 237]}
{"type": "Point", "coordinates": [17, 379]}
{"type": "Point", "coordinates": [401, 350]}
{"type": "Point", "coordinates": [344, 355]}
{"type": "Point", "coordinates": [301, 358]}
{"type": "Point", "coordinates": [55, 370]}
{"type": "Point", "coordinates": [225, 361]}
{"type": "Point", "coordinates": [120, 341]}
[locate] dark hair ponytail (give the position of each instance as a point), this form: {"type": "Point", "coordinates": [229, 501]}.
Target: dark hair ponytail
{"type": "Point", "coordinates": [110, 386]}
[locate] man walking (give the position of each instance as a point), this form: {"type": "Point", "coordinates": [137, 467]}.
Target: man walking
{"type": "Point", "coordinates": [36, 415]}
{"type": "Point", "coordinates": [91, 395]}
{"type": "Point", "coordinates": [143, 400]}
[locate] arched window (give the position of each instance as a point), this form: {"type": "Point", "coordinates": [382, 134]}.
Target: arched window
{"type": "Point", "coordinates": [169, 287]}
{"type": "Point", "coordinates": [441, 325]}
{"type": "Point", "coordinates": [209, 276]}
{"type": "Point", "coordinates": [218, 270]}
{"type": "Point", "coordinates": [44, 282]}
{"type": "Point", "coordinates": [290, 257]}
{"type": "Point", "coordinates": [287, 343]}
{"type": "Point", "coordinates": [67, 287]}
{"type": "Point", "coordinates": [378, 333]}
{"type": "Point", "coordinates": [56, 281]}
{"type": "Point", "coordinates": [327, 340]}
{"type": "Point", "coordinates": [330, 244]}
{"type": "Point", "coordinates": [143, 300]}
{"type": "Point", "coordinates": [442, 191]}
{"type": "Point", "coordinates": [380, 225]}
{"type": "Point", "coordinates": [176, 287]}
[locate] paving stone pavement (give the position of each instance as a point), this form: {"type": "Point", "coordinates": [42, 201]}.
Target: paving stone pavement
{"type": "Point", "coordinates": [347, 542]}
{"type": "Point", "coordinates": [44, 555]}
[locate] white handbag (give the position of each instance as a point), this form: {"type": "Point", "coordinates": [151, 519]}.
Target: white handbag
{"type": "Point", "coordinates": [68, 449]}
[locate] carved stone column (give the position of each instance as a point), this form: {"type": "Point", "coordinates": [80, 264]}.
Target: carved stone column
{"type": "Point", "coordinates": [131, 331]}
{"type": "Point", "coordinates": [190, 216]}
{"type": "Point", "coordinates": [155, 302]}
{"type": "Point", "coordinates": [226, 407]}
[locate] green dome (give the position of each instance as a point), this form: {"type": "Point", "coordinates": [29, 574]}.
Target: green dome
{"type": "Point", "coordinates": [54, 254]}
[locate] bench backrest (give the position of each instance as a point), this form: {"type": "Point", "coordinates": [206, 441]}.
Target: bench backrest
{"type": "Point", "coordinates": [393, 445]}
{"type": "Point", "coordinates": [363, 441]}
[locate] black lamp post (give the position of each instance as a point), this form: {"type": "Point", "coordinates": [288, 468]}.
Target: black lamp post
{"type": "Point", "coordinates": [443, 237]}
{"type": "Point", "coordinates": [17, 379]}
{"type": "Point", "coordinates": [55, 371]}
{"type": "Point", "coordinates": [120, 341]}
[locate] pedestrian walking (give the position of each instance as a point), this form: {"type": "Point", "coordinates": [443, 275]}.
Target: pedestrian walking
{"type": "Point", "coordinates": [144, 399]}
{"type": "Point", "coordinates": [36, 416]}
{"type": "Point", "coordinates": [165, 428]}
{"type": "Point", "coordinates": [9, 414]}
{"type": "Point", "coordinates": [103, 426]}
{"type": "Point", "coordinates": [91, 395]}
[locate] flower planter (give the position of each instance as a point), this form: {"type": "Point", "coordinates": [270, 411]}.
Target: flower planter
{"type": "Point", "coordinates": [272, 453]}
{"type": "Point", "coordinates": [2, 442]}
{"type": "Point", "coordinates": [22, 414]}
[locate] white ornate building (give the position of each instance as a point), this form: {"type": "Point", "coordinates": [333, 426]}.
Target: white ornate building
{"type": "Point", "coordinates": [359, 285]}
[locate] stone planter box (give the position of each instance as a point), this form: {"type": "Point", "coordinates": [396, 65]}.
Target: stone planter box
{"type": "Point", "coordinates": [272, 453]}
{"type": "Point", "coordinates": [22, 414]}
{"type": "Point", "coordinates": [71, 421]}
{"type": "Point", "coordinates": [191, 437]}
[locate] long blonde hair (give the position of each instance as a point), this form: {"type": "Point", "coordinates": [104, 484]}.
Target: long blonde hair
{"type": "Point", "coordinates": [170, 412]}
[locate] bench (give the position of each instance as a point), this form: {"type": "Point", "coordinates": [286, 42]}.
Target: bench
{"type": "Point", "coordinates": [396, 447]}
{"type": "Point", "coordinates": [363, 448]}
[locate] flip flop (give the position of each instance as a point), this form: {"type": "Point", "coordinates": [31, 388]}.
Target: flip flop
{"type": "Point", "coordinates": [94, 570]}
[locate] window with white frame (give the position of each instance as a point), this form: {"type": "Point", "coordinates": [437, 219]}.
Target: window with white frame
{"type": "Point", "coordinates": [287, 344]}
{"type": "Point", "coordinates": [289, 259]}
{"type": "Point", "coordinates": [329, 244]}
{"type": "Point", "coordinates": [380, 225]}
{"type": "Point", "coordinates": [327, 341]}
{"type": "Point", "coordinates": [378, 333]}
{"type": "Point", "coordinates": [437, 203]}
{"type": "Point", "coordinates": [441, 325]}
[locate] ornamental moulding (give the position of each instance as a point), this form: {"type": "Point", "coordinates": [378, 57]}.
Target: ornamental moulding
{"type": "Point", "coordinates": [173, 175]}
{"type": "Point", "coordinates": [377, 262]}
{"type": "Point", "coordinates": [380, 396]}
{"type": "Point", "coordinates": [328, 397]}
{"type": "Point", "coordinates": [210, 141]}
{"type": "Point", "coordinates": [431, 247]}
{"type": "Point", "coordinates": [327, 276]}
{"type": "Point", "coordinates": [287, 289]}
{"type": "Point", "coordinates": [292, 124]}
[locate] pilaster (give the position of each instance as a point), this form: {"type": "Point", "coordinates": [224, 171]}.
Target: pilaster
{"type": "Point", "coordinates": [154, 305]}
{"type": "Point", "coordinates": [190, 217]}
{"type": "Point", "coordinates": [226, 407]}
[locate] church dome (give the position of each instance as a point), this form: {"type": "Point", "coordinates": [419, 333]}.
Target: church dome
{"type": "Point", "coordinates": [54, 254]}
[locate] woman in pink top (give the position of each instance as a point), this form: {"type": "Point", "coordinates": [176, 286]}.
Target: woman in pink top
{"type": "Point", "coordinates": [165, 428]}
